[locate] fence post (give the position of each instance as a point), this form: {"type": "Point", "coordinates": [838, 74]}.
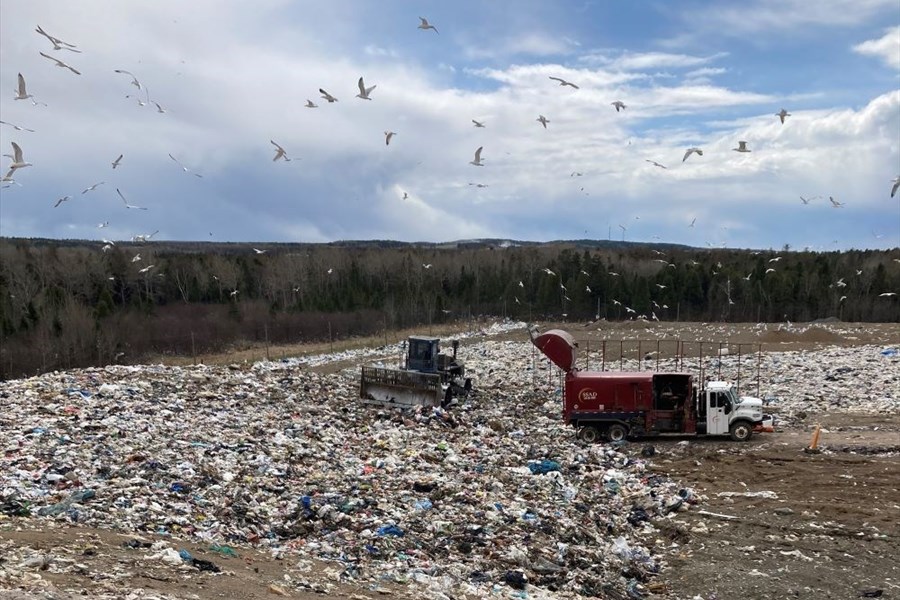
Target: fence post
{"type": "Point", "coordinates": [266, 335]}
{"type": "Point", "coordinates": [193, 350]}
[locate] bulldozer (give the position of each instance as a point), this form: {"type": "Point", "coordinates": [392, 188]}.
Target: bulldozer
{"type": "Point", "coordinates": [426, 377]}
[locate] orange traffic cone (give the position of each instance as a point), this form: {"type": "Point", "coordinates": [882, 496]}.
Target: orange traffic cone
{"type": "Point", "coordinates": [813, 447]}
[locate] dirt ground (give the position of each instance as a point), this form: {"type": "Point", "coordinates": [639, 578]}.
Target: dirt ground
{"type": "Point", "coordinates": [788, 524]}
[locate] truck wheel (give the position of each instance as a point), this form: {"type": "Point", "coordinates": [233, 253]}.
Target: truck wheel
{"type": "Point", "coordinates": [741, 431]}
{"type": "Point", "coordinates": [616, 433]}
{"type": "Point", "coordinates": [589, 435]}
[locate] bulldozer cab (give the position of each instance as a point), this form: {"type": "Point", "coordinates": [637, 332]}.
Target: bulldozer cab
{"type": "Point", "coordinates": [422, 354]}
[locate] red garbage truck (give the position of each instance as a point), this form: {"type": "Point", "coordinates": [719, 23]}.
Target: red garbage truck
{"type": "Point", "coordinates": [615, 405]}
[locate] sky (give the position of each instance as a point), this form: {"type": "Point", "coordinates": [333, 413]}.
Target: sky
{"type": "Point", "coordinates": [231, 80]}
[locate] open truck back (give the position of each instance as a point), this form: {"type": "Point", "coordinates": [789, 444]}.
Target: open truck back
{"type": "Point", "coordinates": [618, 404]}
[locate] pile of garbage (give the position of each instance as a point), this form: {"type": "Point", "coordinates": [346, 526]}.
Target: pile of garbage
{"type": "Point", "coordinates": [494, 495]}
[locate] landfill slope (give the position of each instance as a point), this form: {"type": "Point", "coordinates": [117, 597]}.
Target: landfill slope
{"type": "Point", "coordinates": [244, 477]}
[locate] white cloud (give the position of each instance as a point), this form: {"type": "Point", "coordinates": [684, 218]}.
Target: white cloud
{"type": "Point", "coordinates": [779, 15]}
{"type": "Point", "coordinates": [886, 48]}
{"type": "Point", "coordinates": [642, 61]}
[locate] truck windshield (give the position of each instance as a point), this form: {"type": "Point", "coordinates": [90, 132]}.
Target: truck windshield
{"type": "Point", "coordinates": [732, 395]}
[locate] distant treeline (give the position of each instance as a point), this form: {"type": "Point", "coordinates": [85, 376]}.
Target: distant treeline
{"type": "Point", "coordinates": [70, 304]}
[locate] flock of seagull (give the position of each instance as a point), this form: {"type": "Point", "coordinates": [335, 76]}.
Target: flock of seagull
{"type": "Point", "coordinates": [280, 153]}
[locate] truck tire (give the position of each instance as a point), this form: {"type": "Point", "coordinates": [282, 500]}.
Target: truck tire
{"type": "Point", "coordinates": [741, 431]}
{"type": "Point", "coordinates": [616, 433]}
{"type": "Point", "coordinates": [589, 435]}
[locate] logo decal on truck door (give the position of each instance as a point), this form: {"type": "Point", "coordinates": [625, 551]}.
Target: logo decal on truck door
{"type": "Point", "coordinates": [587, 394]}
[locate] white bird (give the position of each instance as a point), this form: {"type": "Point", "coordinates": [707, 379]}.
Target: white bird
{"type": "Point", "coordinates": [613, 274]}
{"type": "Point", "coordinates": [258, 251]}
{"type": "Point", "coordinates": [137, 98]}
{"type": "Point", "coordinates": [859, 272]}
{"type": "Point", "coordinates": [656, 164]}
{"type": "Point", "coordinates": [61, 200]}
{"type": "Point", "coordinates": [576, 174]}
{"type": "Point", "coordinates": [630, 310]}
{"type": "Point", "coordinates": [16, 127]}
{"type": "Point", "coordinates": [58, 44]}
{"type": "Point", "coordinates": [542, 120]}
{"type": "Point", "coordinates": [363, 90]}
{"type": "Point", "coordinates": [895, 186]}
{"type": "Point", "coordinates": [742, 147]}
{"type": "Point", "coordinates": [617, 303]}
{"type": "Point", "coordinates": [327, 96]}
{"type": "Point", "coordinates": [116, 162]}
{"type": "Point", "coordinates": [661, 286]}
{"type": "Point", "coordinates": [776, 259]}
{"type": "Point", "coordinates": [477, 162]}
{"type": "Point", "coordinates": [428, 266]}
{"type": "Point", "coordinates": [782, 114]}
{"type": "Point", "coordinates": [143, 238]}
{"type": "Point", "coordinates": [587, 288]}
{"type": "Point", "coordinates": [562, 287]}
{"type": "Point", "coordinates": [619, 105]}
{"type": "Point", "coordinates": [694, 220]}
{"type": "Point", "coordinates": [840, 283]}
{"type": "Point", "coordinates": [477, 123]}
{"type": "Point", "coordinates": [106, 247]}
{"type": "Point", "coordinates": [233, 293]}
{"type": "Point", "coordinates": [426, 25]}
{"type": "Point", "coordinates": [92, 188]}
{"type": "Point", "coordinates": [479, 185]}
{"type": "Point", "coordinates": [547, 271]}
{"type": "Point", "coordinates": [102, 225]}
{"type": "Point", "coordinates": [807, 200]}
{"type": "Point", "coordinates": [279, 152]}
{"type": "Point", "coordinates": [405, 196]}
{"type": "Point", "coordinates": [108, 242]}
{"type": "Point", "coordinates": [387, 137]}
{"type": "Point", "coordinates": [747, 278]}
{"type": "Point", "coordinates": [521, 285]}
{"type": "Point", "coordinates": [691, 151]}
{"type": "Point", "coordinates": [330, 270]}
{"type": "Point", "coordinates": [126, 201]}
{"type": "Point", "coordinates": [563, 82]}
{"type": "Point", "coordinates": [835, 203]}
{"type": "Point", "coordinates": [159, 108]}
{"type": "Point", "coordinates": [136, 258]}
{"type": "Point", "coordinates": [842, 298]}
{"type": "Point", "coordinates": [145, 269]}
{"type": "Point", "coordinates": [22, 94]}
{"type": "Point", "coordinates": [60, 63]}
{"type": "Point", "coordinates": [887, 294]}
{"type": "Point", "coordinates": [311, 104]}
{"type": "Point", "coordinates": [134, 80]}
{"type": "Point", "coordinates": [18, 162]}
{"type": "Point", "coordinates": [184, 168]}
{"type": "Point", "coordinates": [769, 270]}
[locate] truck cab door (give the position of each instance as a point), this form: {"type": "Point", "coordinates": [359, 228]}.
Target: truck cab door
{"type": "Point", "coordinates": [717, 409]}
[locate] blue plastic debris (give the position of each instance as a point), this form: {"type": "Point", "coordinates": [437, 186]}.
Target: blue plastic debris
{"type": "Point", "coordinates": [390, 530]}
{"type": "Point", "coordinates": [545, 466]}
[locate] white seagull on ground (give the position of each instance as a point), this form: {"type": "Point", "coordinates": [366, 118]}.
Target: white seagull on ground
{"type": "Point", "coordinates": [477, 162]}
{"type": "Point", "coordinates": [363, 90]}
{"type": "Point", "coordinates": [60, 63]}
{"type": "Point", "coordinates": [426, 25]}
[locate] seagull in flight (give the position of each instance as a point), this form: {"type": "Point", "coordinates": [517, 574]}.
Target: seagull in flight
{"type": "Point", "coordinates": [258, 251]}
{"type": "Point", "coordinates": [327, 96]}
{"type": "Point", "coordinates": [542, 120]}
{"type": "Point", "coordinates": [363, 90]}
{"type": "Point", "coordinates": [61, 200]}
{"type": "Point", "coordinates": [159, 108]}
{"type": "Point", "coordinates": [477, 123]}
{"type": "Point", "coordinates": [60, 63]}
{"type": "Point", "coordinates": [279, 152]}
{"type": "Point", "coordinates": [656, 164]}
{"type": "Point", "coordinates": [477, 162]}
{"type": "Point", "coordinates": [835, 203]}
{"type": "Point", "coordinates": [782, 114]}
{"type": "Point", "coordinates": [691, 151]}
{"type": "Point", "coordinates": [887, 294]}
{"type": "Point", "coordinates": [405, 196]}
{"type": "Point", "coordinates": [126, 201]}
{"type": "Point", "coordinates": [563, 82]}
{"type": "Point", "coordinates": [619, 105]}
{"type": "Point", "coordinates": [16, 127]}
{"type": "Point", "coordinates": [387, 137]}
{"type": "Point", "coordinates": [58, 44]}
{"type": "Point", "coordinates": [547, 271]}
{"type": "Point", "coordinates": [134, 80]}
{"type": "Point", "coordinates": [145, 269]}
{"type": "Point", "coordinates": [311, 104]}
{"type": "Point", "coordinates": [103, 224]}
{"type": "Point", "coordinates": [116, 162]}
{"type": "Point", "coordinates": [694, 220]}
{"type": "Point", "coordinates": [22, 94]}
{"type": "Point", "coordinates": [742, 147]}
{"type": "Point", "coordinates": [895, 186]}
{"type": "Point", "coordinates": [776, 259]}
{"type": "Point", "coordinates": [184, 168]}
{"type": "Point", "coordinates": [807, 200]}
{"type": "Point", "coordinates": [425, 25]}
{"type": "Point", "coordinates": [428, 266]}
{"type": "Point", "coordinates": [18, 161]}
{"type": "Point", "coordinates": [769, 270]}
